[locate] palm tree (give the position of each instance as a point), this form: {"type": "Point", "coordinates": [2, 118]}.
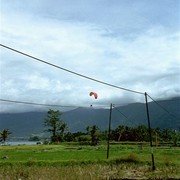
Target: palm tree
{"type": "Point", "coordinates": [57, 127]}
{"type": "Point", "coordinates": [4, 134]}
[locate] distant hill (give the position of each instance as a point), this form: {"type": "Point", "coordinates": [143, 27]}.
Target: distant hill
{"type": "Point", "coordinates": [27, 123]}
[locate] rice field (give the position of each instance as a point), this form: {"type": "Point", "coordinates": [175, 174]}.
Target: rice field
{"type": "Point", "coordinates": [72, 161]}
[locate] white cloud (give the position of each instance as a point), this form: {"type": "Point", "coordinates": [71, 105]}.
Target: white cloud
{"type": "Point", "coordinates": [149, 62]}
{"type": "Point", "coordinates": [36, 82]}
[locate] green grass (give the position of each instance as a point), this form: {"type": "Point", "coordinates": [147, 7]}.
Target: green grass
{"type": "Point", "coordinates": [66, 153]}
{"type": "Point", "coordinates": [61, 161]}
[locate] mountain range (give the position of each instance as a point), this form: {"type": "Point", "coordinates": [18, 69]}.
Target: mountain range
{"type": "Point", "coordinates": [27, 123]}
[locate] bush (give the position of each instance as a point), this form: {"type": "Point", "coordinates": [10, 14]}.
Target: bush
{"type": "Point", "coordinates": [132, 158]}
{"type": "Point", "coordinates": [34, 138]}
{"type": "Point", "coordinates": [84, 140]}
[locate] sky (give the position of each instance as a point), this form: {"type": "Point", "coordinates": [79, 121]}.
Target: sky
{"type": "Point", "coordinates": [129, 43]}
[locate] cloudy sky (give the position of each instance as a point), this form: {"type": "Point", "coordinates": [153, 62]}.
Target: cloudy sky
{"type": "Point", "coordinates": [128, 43]}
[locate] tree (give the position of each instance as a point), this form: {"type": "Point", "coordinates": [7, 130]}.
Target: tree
{"type": "Point", "coordinates": [69, 137]}
{"type": "Point", "coordinates": [166, 135]}
{"type": "Point", "coordinates": [56, 126]}
{"type": "Point", "coordinates": [142, 133]}
{"type": "Point", "coordinates": [34, 138]}
{"type": "Point", "coordinates": [118, 133]}
{"type": "Point", "coordinates": [175, 137]}
{"type": "Point", "coordinates": [4, 134]}
{"type": "Point", "coordinates": [93, 131]}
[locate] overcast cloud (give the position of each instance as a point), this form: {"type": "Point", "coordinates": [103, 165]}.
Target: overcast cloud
{"type": "Point", "coordinates": [132, 44]}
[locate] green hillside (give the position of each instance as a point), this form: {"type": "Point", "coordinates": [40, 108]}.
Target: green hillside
{"type": "Point", "coordinates": [27, 123]}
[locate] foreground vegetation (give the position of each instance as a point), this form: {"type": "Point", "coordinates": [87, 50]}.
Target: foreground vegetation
{"type": "Point", "coordinates": [72, 161]}
{"type": "Point", "coordinates": [91, 171]}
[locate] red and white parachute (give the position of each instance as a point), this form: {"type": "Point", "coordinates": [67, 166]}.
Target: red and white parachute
{"type": "Point", "coordinates": [93, 94]}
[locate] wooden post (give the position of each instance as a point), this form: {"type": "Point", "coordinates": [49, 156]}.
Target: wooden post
{"type": "Point", "coordinates": [149, 127]}
{"type": "Point", "coordinates": [109, 131]}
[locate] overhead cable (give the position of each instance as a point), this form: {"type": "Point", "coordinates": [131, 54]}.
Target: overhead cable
{"type": "Point", "coordinates": [120, 112]}
{"type": "Point", "coordinates": [69, 71]}
{"type": "Point", "coordinates": [48, 105]}
{"type": "Point", "coordinates": [161, 106]}
{"type": "Point", "coordinates": [37, 104]}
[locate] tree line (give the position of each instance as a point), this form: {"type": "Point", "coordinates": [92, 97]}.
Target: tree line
{"type": "Point", "coordinates": [58, 131]}
{"type": "Point", "coordinates": [93, 135]}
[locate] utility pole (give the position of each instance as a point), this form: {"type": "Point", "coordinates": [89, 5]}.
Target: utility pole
{"type": "Point", "coordinates": [150, 135]}
{"type": "Point", "coordinates": [109, 131]}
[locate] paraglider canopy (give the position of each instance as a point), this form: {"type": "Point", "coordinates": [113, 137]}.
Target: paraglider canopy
{"type": "Point", "coordinates": [93, 94]}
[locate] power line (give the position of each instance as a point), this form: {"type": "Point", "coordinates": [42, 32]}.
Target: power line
{"type": "Point", "coordinates": [161, 106]}
{"type": "Point", "coordinates": [69, 71]}
{"type": "Point", "coordinates": [47, 105]}
{"type": "Point", "coordinates": [121, 112]}
{"type": "Point", "coordinates": [37, 104]}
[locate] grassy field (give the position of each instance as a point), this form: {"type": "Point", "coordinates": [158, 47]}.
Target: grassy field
{"type": "Point", "coordinates": [72, 161]}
